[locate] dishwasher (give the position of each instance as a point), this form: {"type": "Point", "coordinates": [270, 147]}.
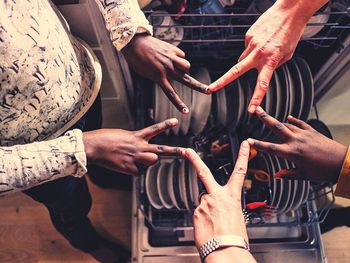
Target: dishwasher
{"type": "Point", "coordinates": [287, 228]}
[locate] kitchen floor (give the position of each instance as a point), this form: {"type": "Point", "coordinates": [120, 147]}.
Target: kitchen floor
{"type": "Point", "coordinates": [26, 233]}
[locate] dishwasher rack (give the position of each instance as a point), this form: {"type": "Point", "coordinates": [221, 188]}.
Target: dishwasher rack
{"type": "Point", "coordinates": [222, 35]}
{"type": "Point", "coordinates": [320, 200]}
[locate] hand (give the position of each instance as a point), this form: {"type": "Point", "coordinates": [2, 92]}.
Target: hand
{"type": "Point", "coordinates": [220, 211]}
{"type": "Point", "coordinates": [316, 157]}
{"type": "Point", "coordinates": [158, 60]}
{"type": "Point", "coordinates": [269, 42]}
{"type": "Point", "coordinates": [222, 202]}
{"type": "Point", "coordinates": [127, 151]}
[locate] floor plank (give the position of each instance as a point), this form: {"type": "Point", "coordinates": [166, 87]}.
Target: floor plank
{"type": "Point", "coordinates": [27, 235]}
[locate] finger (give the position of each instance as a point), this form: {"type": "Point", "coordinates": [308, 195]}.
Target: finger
{"type": "Point", "coordinates": [191, 82]}
{"type": "Point", "coordinates": [239, 172]}
{"type": "Point", "coordinates": [299, 123]}
{"type": "Point", "coordinates": [277, 127]}
{"type": "Point", "coordinates": [271, 148]}
{"type": "Point", "coordinates": [292, 127]}
{"type": "Point", "coordinates": [245, 53]}
{"type": "Point", "coordinates": [173, 96]}
{"type": "Point", "coordinates": [179, 52]}
{"type": "Point", "coordinates": [181, 64]}
{"type": "Point", "coordinates": [202, 170]}
{"type": "Point", "coordinates": [155, 129]}
{"type": "Point", "coordinates": [287, 174]}
{"type": "Point", "coordinates": [163, 149]}
{"type": "Point", "coordinates": [262, 85]}
{"type": "Point", "coordinates": [236, 71]}
{"type": "Point", "coordinates": [147, 158]}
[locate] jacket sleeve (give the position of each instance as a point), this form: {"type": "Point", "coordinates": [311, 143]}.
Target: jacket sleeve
{"type": "Point", "coordinates": [343, 185]}
{"type": "Point", "coordinates": [123, 19]}
{"type": "Point", "coordinates": [25, 166]}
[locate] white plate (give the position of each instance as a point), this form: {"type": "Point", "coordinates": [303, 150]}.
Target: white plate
{"type": "Point", "coordinates": [299, 192]}
{"type": "Point", "coordinates": [294, 187]}
{"type": "Point", "coordinates": [162, 185]}
{"type": "Point", "coordinates": [194, 185]}
{"type": "Point", "coordinates": [170, 186]}
{"type": "Point", "coordinates": [201, 103]}
{"type": "Point", "coordinates": [151, 187]}
{"type": "Point", "coordinates": [161, 102]}
{"type": "Point", "coordinates": [306, 192]}
{"type": "Point", "coordinates": [177, 86]}
{"type": "Point", "coordinates": [311, 30]}
{"type": "Point", "coordinates": [182, 184]}
{"type": "Point", "coordinates": [221, 106]}
{"type": "Point", "coordinates": [284, 188]}
{"type": "Point", "coordinates": [276, 196]}
{"type": "Point", "coordinates": [186, 118]}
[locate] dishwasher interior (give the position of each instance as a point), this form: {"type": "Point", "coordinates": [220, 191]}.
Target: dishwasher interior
{"type": "Point", "coordinates": [282, 216]}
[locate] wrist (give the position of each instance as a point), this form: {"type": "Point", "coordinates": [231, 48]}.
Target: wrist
{"type": "Point", "coordinates": [89, 147]}
{"type": "Point", "coordinates": [299, 11]}
{"type": "Point", "coordinates": [227, 254]}
{"type": "Point", "coordinates": [135, 41]}
{"type": "Point", "coordinates": [340, 154]}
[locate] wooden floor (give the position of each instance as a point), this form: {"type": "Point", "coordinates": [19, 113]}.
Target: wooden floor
{"type": "Point", "coordinates": [26, 233]}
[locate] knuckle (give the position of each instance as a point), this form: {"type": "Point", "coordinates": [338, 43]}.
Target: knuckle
{"type": "Point", "coordinates": [202, 172]}
{"type": "Point", "coordinates": [272, 148]}
{"type": "Point", "coordinates": [278, 126]}
{"type": "Point", "coordinates": [236, 70]}
{"type": "Point", "coordinates": [297, 151]}
{"type": "Point", "coordinates": [197, 213]}
{"type": "Point", "coordinates": [261, 51]}
{"type": "Point", "coordinates": [241, 170]}
{"type": "Point", "coordinates": [263, 85]}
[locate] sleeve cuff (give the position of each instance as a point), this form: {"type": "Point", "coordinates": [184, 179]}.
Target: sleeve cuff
{"type": "Point", "coordinates": [80, 154]}
{"type": "Point", "coordinates": [121, 40]}
{"type": "Point", "coordinates": [343, 185]}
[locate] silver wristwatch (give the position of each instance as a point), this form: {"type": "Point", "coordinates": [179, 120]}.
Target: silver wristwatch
{"type": "Point", "coordinates": [222, 242]}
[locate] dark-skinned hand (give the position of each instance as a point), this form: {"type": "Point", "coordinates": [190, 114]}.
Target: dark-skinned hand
{"type": "Point", "coordinates": [160, 61]}
{"type": "Point", "coordinates": [316, 157]}
{"type": "Point", "coordinates": [127, 151]}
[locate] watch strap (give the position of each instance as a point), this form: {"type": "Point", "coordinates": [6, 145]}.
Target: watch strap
{"type": "Point", "coordinates": [222, 242]}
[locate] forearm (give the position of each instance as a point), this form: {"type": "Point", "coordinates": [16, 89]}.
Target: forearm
{"type": "Point", "coordinates": [25, 166]}
{"type": "Point", "coordinates": [229, 255]}
{"type": "Point", "coordinates": [123, 19]}
{"type": "Point", "coordinates": [302, 9]}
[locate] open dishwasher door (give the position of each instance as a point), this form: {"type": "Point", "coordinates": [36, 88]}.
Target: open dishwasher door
{"type": "Point", "coordinates": [162, 229]}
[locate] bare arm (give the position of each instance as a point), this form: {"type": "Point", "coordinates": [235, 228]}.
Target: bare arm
{"type": "Point", "coordinates": [270, 42]}
{"type": "Point", "coordinates": [220, 211]}
{"type": "Point", "coordinates": [152, 58]}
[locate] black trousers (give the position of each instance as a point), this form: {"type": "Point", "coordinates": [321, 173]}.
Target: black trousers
{"type": "Point", "coordinates": [68, 199]}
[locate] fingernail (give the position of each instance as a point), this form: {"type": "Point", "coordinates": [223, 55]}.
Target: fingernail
{"type": "Point", "coordinates": [290, 117]}
{"type": "Point", "coordinates": [245, 143]}
{"type": "Point", "coordinates": [250, 141]}
{"type": "Point", "coordinates": [208, 90]}
{"type": "Point", "coordinates": [185, 111]}
{"type": "Point", "coordinates": [259, 110]}
{"type": "Point", "coordinates": [251, 109]}
{"type": "Point", "coordinates": [174, 121]}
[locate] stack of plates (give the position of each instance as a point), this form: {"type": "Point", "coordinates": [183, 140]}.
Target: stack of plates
{"type": "Point", "coordinates": [199, 104]}
{"type": "Point", "coordinates": [291, 92]}
{"type": "Point", "coordinates": [286, 195]}
{"type": "Point", "coordinates": [172, 184]}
